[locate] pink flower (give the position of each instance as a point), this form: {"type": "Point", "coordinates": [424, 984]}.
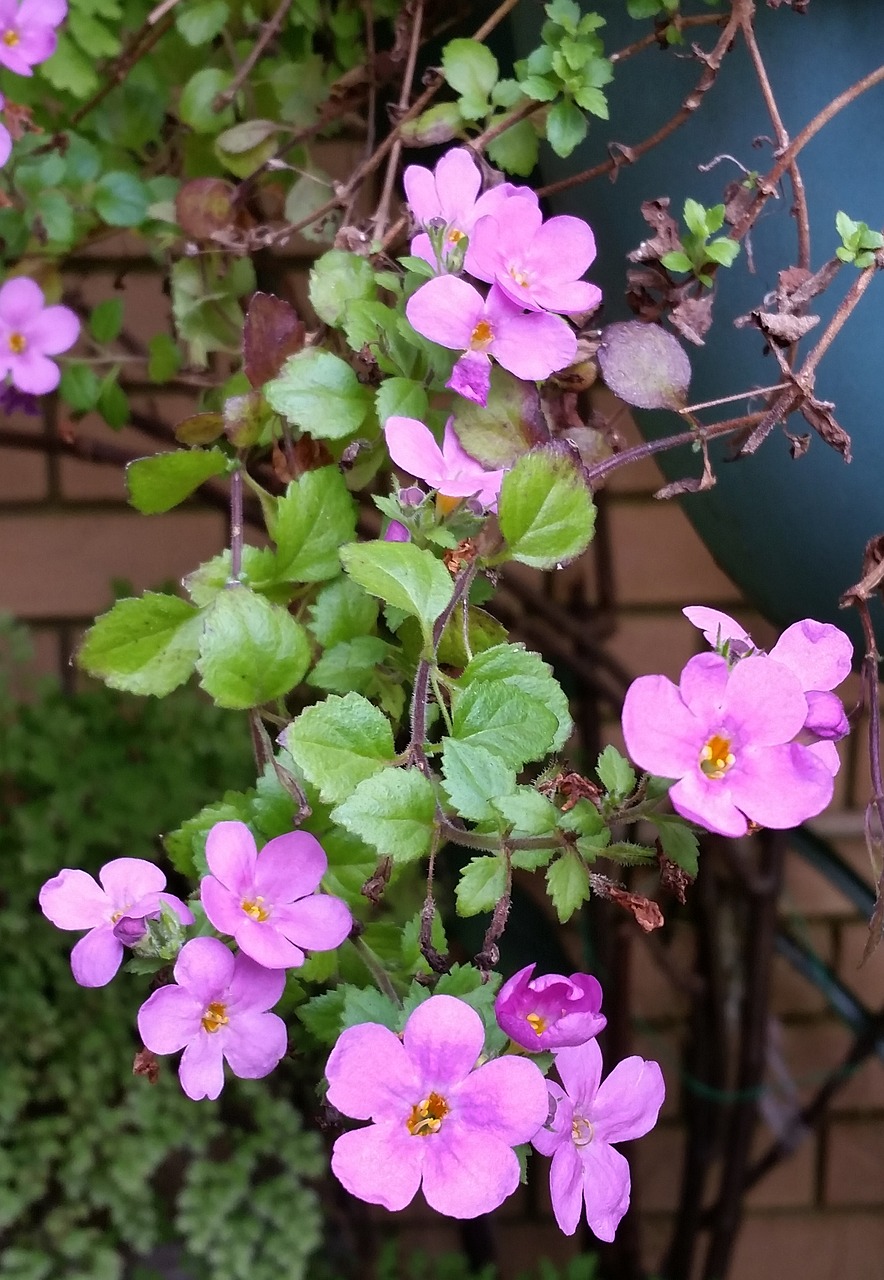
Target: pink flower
{"type": "Point", "coordinates": [550, 1012]}
{"type": "Point", "coordinates": [537, 264]}
{"type": "Point", "coordinates": [450, 194]}
{"type": "Point", "coordinates": [453, 313]}
{"type": "Point", "coordinates": [5, 138]}
{"type": "Point", "coordinates": [267, 901]}
{"type": "Point", "coordinates": [589, 1117]}
{"type": "Point", "coordinates": [727, 736]}
{"type": "Point", "coordinates": [218, 1010]}
{"type": "Point", "coordinates": [439, 1121]}
{"type": "Point", "coordinates": [449, 470]}
{"type": "Point", "coordinates": [27, 33]}
{"type": "Point", "coordinates": [29, 332]}
{"type": "Point", "coordinates": [130, 888]}
{"type": "Point", "coordinates": [818, 654]}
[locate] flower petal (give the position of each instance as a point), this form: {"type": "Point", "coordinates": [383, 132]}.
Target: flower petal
{"type": "Point", "coordinates": [825, 715]}
{"type": "Point", "coordinates": [20, 300]}
{"type": "Point", "coordinates": [253, 988]}
{"type": "Point", "coordinates": [34, 374]}
{"type": "Point", "coordinates": [708, 801]}
{"type": "Point", "coordinates": [628, 1102]}
{"type": "Point", "coordinates": [254, 1044]}
{"type": "Point", "coordinates": [606, 1186]}
{"type": "Point", "coordinates": [566, 1187]}
{"type": "Point", "coordinates": [266, 944]}
{"type": "Point", "coordinates": [413, 448]}
{"type": "Point", "coordinates": [471, 377]}
{"type": "Point", "coordinates": [819, 654]}
{"type": "Point", "coordinates": [380, 1164]}
{"type": "Point", "coordinates": [535, 345]}
{"type": "Point", "coordinates": [505, 1098]}
{"type": "Point", "coordinates": [446, 310]}
{"type": "Point", "coordinates": [318, 923]}
{"type": "Point", "coordinates": [702, 686]}
{"type": "Point", "coordinates": [781, 786]}
{"type": "Point", "coordinates": [54, 330]}
{"type": "Point", "coordinates": [443, 1038]}
{"type": "Point", "coordinates": [96, 958]}
{"type": "Point", "coordinates": [371, 1076]}
{"type": "Point", "coordinates": [764, 701]}
{"type": "Point", "coordinates": [420, 192]}
{"type": "Point", "coordinates": [457, 180]}
{"type": "Point", "coordinates": [467, 1173]}
{"type": "Point", "coordinates": [716, 626]}
{"type": "Point", "coordinates": [202, 1066]}
{"type": "Point", "coordinates": [580, 1070]}
{"type": "Point", "coordinates": [169, 1019]}
{"type": "Point", "coordinates": [223, 908]}
{"type": "Point", "coordinates": [204, 968]}
{"type": "Point", "coordinates": [73, 900]}
{"type": "Point", "coordinates": [290, 866]}
{"type": "Point", "coordinates": [661, 734]}
{"type": "Point", "coordinates": [125, 880]}
{"type": "Point", "coordinates": [231, 855]}
{"type": "Point", "coordinates": [5, 144]}
{"type": "Point", "coordinates": [557, 1127]}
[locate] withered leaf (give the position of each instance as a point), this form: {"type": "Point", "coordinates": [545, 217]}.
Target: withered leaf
{"type": "Point", "coordinates": [665, 239]}
{"type": "Point", "coordinates": [644, 365]}
{"type": "Point", "coordinates": [645, 911]}
{"type": "Point", "coordinates": [693, 317]}
{"type": "Point", "coordinates": [272, 332]}
{"type": "Point", "coordinates": [784, 328]}
{"type": "Point", "coordinates": [146, 1064]}
{"type": "Point", "coordinates": [819, 414]}
{"type": "Point", "coordinates": [205, 206]}
{"type": "Point", "coordinates": [798, 445]}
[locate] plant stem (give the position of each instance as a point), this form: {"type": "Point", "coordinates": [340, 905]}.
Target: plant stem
{"type": "Point", "coordinates": [236, 527]}
{"type": "Point", "coordinates": [268, 31]}
{"type": "Point", "coordinates": [377, 971]}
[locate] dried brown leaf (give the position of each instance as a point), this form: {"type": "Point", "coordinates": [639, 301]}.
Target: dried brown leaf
{"type": "Point", "coordinates": [784, 329]}
{"type": "Point", "coordinates": [645, 911]}
{"type": "Point", "coordinates": [819, 414]}
{"type": "Point", "coordinates": [665, 238]}
{"type": "Point", "coordinates": [693, 318]}
{"type": "Point", "coordinates": [272, 332]}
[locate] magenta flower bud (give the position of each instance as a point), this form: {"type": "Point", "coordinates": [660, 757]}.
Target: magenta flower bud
{"type": "Point", "coordinates": [396, 532]}
{"type": "Point", "coordinates": [550, 1012]}
{"type": "Point", "coordinates": [130, 930]}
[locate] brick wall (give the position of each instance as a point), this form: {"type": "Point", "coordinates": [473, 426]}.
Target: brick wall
{"type": "Point", "coordinates": [67, 534]}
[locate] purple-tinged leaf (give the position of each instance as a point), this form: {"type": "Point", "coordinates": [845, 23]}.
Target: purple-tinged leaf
{"type": "Point", "coordinates": [272, 332]}
{"type": "Point", "coordinates": [644, 365]}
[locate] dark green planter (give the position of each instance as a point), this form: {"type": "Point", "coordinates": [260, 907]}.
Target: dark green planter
{"type": "Point", "coordinates": [791, 534]}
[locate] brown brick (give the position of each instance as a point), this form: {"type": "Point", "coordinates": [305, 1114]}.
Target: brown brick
{"type": "Point", "coordinates": [806, 892]}
{"type": "Point", "coordinates": [659, 559]}
{"type": "Point", "coordinates": [812, 1052]}
{"type": "Point", "coordinates": [855, 1162]}
{"type": "Point", "coordinates": [863, 1088]}
{"type": "Point", "coordinates": [61, 565]}
{"type": "Point", "coordinates": [866, 980]}
{"type": "Point", "coordinates": [804, 1246]}
{"type": "Point", "coordinates": [23, 476]}
{"type": "Point", "coordinates": [520, 1245]}
{"type": "Point", "coordinates": [653, 643]}
{"type": "Point", "coordinates": [791, 992]}
{"type": "Point", "coordinates": [855, 853]}
{"type": "Point", "coordinates": [658, 960]}
{"type": "Point", "coordinates": [789, 1184]}
{"type": "Point", "coordinates": [657, 1159]}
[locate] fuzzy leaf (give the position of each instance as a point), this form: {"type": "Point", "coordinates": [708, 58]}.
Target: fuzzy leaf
{"type": "Point", "coordinates": [546, 512]}
{"type": "Point", "coordinates": [481, 885]}
{"type": "Point", "coordinates": [339, 278]}
{"type": "Point", "coordinates": [160, 482]}
{"type": "Point", "coordinates": [251, 651]}
{"type": "Point", "coordinates": [474, 777]}
{"type": "Point", "coordinates": [519, 668]}
{"type": "Point", "coordinates": [393, 811]}
{"type": "Point", "coordinates": [339, 743]}
{"type": "Point", "coordinates": [342, 611]}
{"type": "Point", "coordinates": [403, 575]}
{"type": "Point", "coordinates": [147, 645]}
{"type": "Point", "coordinates": [644, 365]}
{"type": "Point", "coordinates": [320, 393]}
{"type": "Point", "coordinates": [504, 720]}
{"type": "Point", "coordinates": [567, 883]}
{"type": "Point", "coordinates": [313, 519]}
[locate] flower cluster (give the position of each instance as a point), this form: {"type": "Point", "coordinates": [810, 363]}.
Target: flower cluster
{"type": "Point", "coordinates": [28, 32]}
{"type": "Point", "coordinates": [30, 332]}
{"type": "Point", "coordinates": [449, 470]}
{"type": "Point", "coordinates": [534, 269]}
{"type": "Point", "coordinates": [445, 1120]}
{"type": "Point", "coordinates": [218, 1007]}
{"type": "Point", "coordinates": [749, 736]}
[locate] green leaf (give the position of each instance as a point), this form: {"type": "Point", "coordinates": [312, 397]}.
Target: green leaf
{"type": "Point", "coordinates": [57, 216]}
{"type": "Point", "coordinates": [505, 721]}
{"type": "Point", "coordinates": [246, 136]}
{"type": "Point", "coordinates": [121, 199]}
{"type": "Point", "coordinates": [106, 320]}
{"type": "Point", "coordinates": [472, 71]}
{"type": "Point", "coordinates": [516, 149]}
{"type": "Point", "coordinates": [251, 651]}
{"type": "Point", "coordinates": [722, 251]}
{"type": "Point", "coordinates": [615, 772]}
{"type": "Point", "coordinates": [365, 1004]}
{"type": "Point", "coordinates": [306, 196]}
{"type": "Point", "coordinates": [164, 358]}
{"type": "Point", "coordinates": [474, 777]}
{"type": "Point", "coordinates": [695, 217]}
{"type": "Point", "coordinates": [316, 515]}
{"type": "Point", "coordinates": [403, 575]}
{"type": "Point", "coordinates": [339, 743]}
{"type": "Point", "coordinates": [401, 397]}
{"type": "Point", "coordinates": [546, 512]}
{"type": "Point", "coordinates": [540, 88]}
{"type": "Point", "coordinates": [481, 885]}
{"type": "Point", "coordinates": [144, 646]}
{"type": "Point", "coordinates": [322, 1015]}
{"type": "Point", "coordinates": [320, 393]}
{"type": "Point", "coordinates": [393, 811]}
{"type": "Point", "coordinates": [113, 403]}
{"type": "Point", "coordinates": [200, 23]}
{"type": "Point", "coordinates": [160, 482]}
{"type": "Point", "coordinates": [339, 278]}
{"type": "Point", "coordinates": [679, 843]}
{"type": "Point", "coordinates": [79, 387]}
{"type": "Point", "coordinates": [341, 612]}
{"type": "Point", "coordinates": [527, 812]}
{"type": "Point", "coordinates": [519, 668]}
{"type": "Point", "coordinates": [69, 69]}
{"type": "Point", "coordinates": [196, 105]}
{"type": "Point", "coordinates": [565, 127]}
{"type": "Point", "coordinates": [349, 665]}
{"type": "Point", "coordinates": [93, 37]}
{"type": "Point", "coordinates": [675, 260]}
{"type": "Point", "coordinates": [567, 883]}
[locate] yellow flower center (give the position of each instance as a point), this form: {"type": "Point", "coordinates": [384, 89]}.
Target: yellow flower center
{"type": "Point", "coordinates": [456, 236]}
{"type": "Point", "coordinates": [716, 757]}
{"type": "Point", "coordinates": [118, 915]}
{"type": "Point", "coordinates": [537, 1024]}
{"type": "Point", "coordinates": [252, 907]}
{"type": "Point", "coordinates": [581, 1131]}
{"type": "Point", "coordinates": [520, 278]}
{"type": "Point", "coordinates": [11, 38]}
{"type": "Point", "coordinates": [215, 1016]}
{"type": "Point", "coordinates": [17, 341]}
{"type": "Point", "coordinates": [481, 336]}
{"type": "Point", "coordinates": [427, 1116]}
